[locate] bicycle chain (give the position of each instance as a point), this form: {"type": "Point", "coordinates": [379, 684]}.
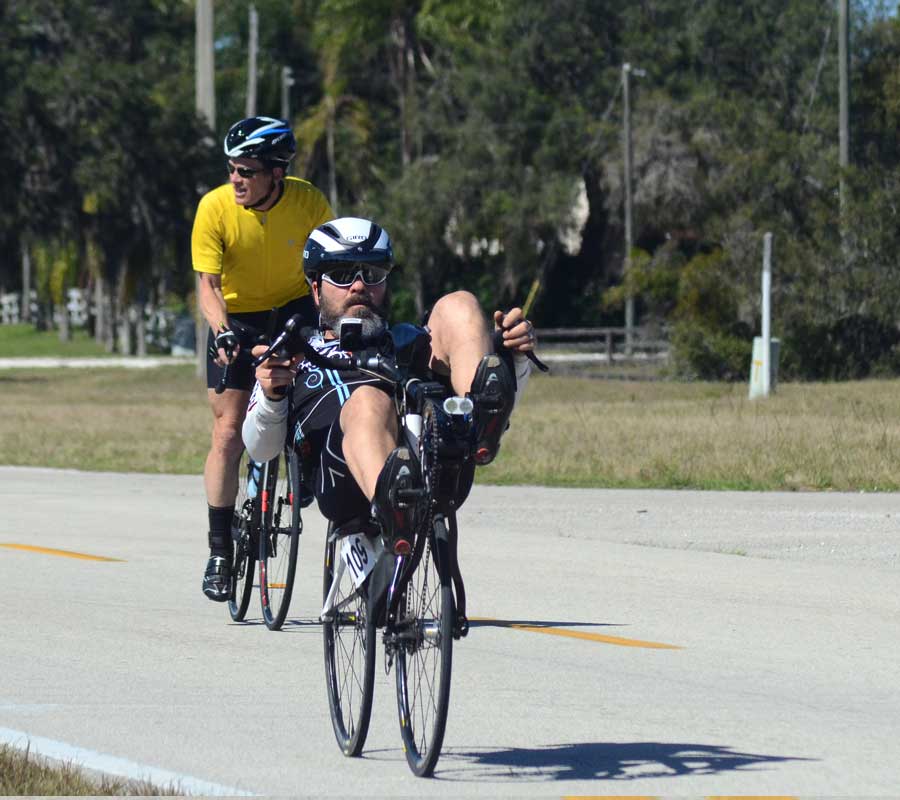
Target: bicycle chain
{"type": "Point", "coordinates": [431, 436]}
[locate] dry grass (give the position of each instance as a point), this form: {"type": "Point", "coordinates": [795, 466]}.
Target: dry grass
{"type": "Point", "coordinates": [572, 432]}
{"type": "Point", "coordinates": [24, 774]}
{"type": "Point", "coordinates": [568, 431]}
{"type": "Point", "coordinates": [122, 420]}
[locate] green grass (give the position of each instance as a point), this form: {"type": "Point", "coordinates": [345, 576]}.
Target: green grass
{"type": "Point", "coordinates": [24, 340]}
{"type": "Point", "coordinates": [24, 774]}
{"type": "Point", "coordinates": [567, 431]}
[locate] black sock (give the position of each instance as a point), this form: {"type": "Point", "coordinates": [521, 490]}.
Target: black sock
{"type": "Point", "coordinates": [220, 543]}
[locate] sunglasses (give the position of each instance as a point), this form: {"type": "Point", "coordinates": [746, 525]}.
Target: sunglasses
{"type": "Point", "coordinates": [344, 277]}
{"type": "Point", "coordinates": [244, 172]}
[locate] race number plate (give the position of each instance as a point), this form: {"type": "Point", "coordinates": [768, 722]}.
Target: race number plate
{"type": "Point", "coordinates": [359, 556]}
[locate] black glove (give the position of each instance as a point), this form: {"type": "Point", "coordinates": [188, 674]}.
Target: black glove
{"type": "Point", "coordinates": [227, 341]}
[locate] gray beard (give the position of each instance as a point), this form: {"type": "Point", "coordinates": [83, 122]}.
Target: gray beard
{"type": "Point", "coordinates": [373, 323]}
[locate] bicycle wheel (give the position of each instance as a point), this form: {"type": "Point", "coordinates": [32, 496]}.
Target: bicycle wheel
{"type": "Point", "coordinates": [349, 637]}
{"type": "Point", "coordinates": [244, 526]}
{"type": "Point", "coordinates": [424, 655]}
{"type": "Point", "coordinates": [280, 538]}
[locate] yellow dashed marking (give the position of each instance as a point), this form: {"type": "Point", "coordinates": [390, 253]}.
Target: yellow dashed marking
{"type": "Point", "coordinates": [49, 551]}
{"type": "Point", "coordinates": [592, 637]}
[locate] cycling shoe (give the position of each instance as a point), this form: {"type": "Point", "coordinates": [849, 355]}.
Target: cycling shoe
{"type": "Point", "coordinates": [394, 504]}
{"type": "Point", "coordinates": [493, 393]}
{"type": "Point", "coordinates": [217, 579]}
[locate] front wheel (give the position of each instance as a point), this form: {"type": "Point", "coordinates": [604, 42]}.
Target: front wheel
{"type": "Point", "coordinates": [279, 541]}
{"type": "Point", "coordinates": [244, 533]}
{"type": "Point", "coordinates": [349, 637]}
{"type": "Point", "coordinates": [424, 654]}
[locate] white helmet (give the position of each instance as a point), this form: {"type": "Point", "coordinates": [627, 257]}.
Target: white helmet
{"type": "Point", "coordinates": [347, 239]}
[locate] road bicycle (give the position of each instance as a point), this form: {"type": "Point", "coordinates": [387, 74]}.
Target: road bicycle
{"type": "Point", "coordinates": [415, 596]}
{"type": "Point", "coordinates": [266, 530]}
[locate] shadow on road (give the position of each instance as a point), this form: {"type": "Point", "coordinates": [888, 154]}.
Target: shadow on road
{"type": "Point", "coordinates": [599, 761]}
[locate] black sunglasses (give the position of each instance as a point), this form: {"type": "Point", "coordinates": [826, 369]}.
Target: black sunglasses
{"type": "Point", "coordinates": [344, 277]}
{"type": "Point", "coordinates": [244, 172]}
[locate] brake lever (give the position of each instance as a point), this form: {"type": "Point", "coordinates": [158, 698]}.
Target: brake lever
{"type": "Point", "coordinates": [220, 386]}
{"type": "Point", "coordinates": [536, 361]}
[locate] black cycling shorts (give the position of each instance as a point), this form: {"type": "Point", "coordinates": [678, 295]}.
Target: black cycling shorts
{"type": "Point", "coordinates": [251, 328]}
{"type": "Point", "coordinates": [337, 493]}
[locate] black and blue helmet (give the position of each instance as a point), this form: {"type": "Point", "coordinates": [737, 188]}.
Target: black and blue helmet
{"type": "Point", "coordinates": [266, 139]}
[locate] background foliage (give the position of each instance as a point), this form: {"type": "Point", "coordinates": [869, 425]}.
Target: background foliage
{"type": "Point", "coordinates": [486, 136]}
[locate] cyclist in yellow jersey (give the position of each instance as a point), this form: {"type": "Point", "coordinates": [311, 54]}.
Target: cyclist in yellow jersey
{"type": "Point", "coordinates": [247, 246]}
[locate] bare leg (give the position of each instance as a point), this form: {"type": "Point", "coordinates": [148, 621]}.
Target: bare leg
{"type": "Point", "coordinates": [369, 425]}
{"type": "Point", "coordinates": [460, 338]}
{"type": "Point", "coordinates": [220, 475]}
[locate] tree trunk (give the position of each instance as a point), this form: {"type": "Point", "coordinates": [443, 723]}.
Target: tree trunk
{"type": "Point", "coordinates": [26, 283]}
{"type": "Point", "coordinates": [329, 150]}
{"type": "Point", "coordinates": [100, 317]}
{"type": "Point", "coordinates": [65, 327]}
{"type": "Point", "coordinates": [140, 331]}
{"type": "Point", "coordinates": [419, 294]}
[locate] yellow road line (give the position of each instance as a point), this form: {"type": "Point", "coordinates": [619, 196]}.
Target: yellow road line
{"type": "Point", "coordinates": [53, 552]}
{"type": "Point", "coordinates": [608, 797]}
{"type": "Point", "coordinates": [592, 637]}
{"type": "Point", "coordinates": [645, 797]}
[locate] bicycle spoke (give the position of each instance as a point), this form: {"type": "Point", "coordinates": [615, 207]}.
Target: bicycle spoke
{"type": "Point", "coordinates": [349, 639]}
{"type": "Point", "coordinates": [424, 664]}
{"type": "Point", "coordinates": [280, 542]}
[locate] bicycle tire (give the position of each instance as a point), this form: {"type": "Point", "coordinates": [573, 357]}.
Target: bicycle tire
{"type": "Point", "coordinates": [279, 539]}
{"type": "Point", "coordinates": [349, 639]}
{"type": "Point", "coordinates": [244, 524]}
{"type": "Point", "coordinates": [424, 659]}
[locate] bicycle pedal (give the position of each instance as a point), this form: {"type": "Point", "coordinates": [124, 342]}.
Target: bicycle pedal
{"type": "Point", "coordinates": [409, 495]}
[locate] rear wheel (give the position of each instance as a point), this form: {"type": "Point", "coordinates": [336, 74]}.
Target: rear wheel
{"type": "Point", "coordinates": [280, 539]}
{"type": "Point", "coordinates": [349, 637]}
{"type": "Point", "coordinates": [424, 651]}
{"type": "Point", "coordinates": [244, 533]}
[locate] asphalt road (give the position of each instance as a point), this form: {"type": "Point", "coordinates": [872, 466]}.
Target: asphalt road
{"type": "Point", "coordinates": [783, 610]}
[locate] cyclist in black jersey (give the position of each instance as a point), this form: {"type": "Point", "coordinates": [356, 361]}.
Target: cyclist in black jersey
{"type": "Point", "coordinates": [347, 421]}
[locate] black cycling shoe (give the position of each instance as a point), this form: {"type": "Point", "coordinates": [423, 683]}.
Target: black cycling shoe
{"type": "Point", "coordinates": [217, 579]}
{"type": "Point", "coordinates": [493, 393]}
{"type": "Point", "coordinates": [396, 494]}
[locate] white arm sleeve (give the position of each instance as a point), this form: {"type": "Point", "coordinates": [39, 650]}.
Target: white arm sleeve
{"type": "Point", "coordinates": [523, 371]}
{"type": "Point", "coordinates": [265, 426]}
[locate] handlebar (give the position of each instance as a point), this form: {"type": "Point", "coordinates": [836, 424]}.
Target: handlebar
{"type": "Point", "coordinates": [248, 333]}
{"type": "Point", "coordinates": [294, 339]}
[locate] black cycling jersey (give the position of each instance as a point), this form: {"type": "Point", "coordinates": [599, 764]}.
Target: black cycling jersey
{"type": "Point", "coordinates": [317, 397]}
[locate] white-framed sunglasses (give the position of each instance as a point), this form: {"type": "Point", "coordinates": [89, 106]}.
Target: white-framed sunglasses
{"type": "Point", "coordinates": [344, 276]}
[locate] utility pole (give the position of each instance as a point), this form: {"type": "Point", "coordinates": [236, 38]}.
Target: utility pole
{"type": "Point", "coordinates": [204, 86]}
{"type": "Point", "coordinates": [287, 81]}
{"type": "Point", "coordinates": [205, 99]}
{"type": "Point", "coordinates": [252, 49]}
{"type": "Point", "coordinates": [844, 71]}
{"type": "Point", "coordinates": [767, 314]}
{"type": "Point", "coordinates": [627, 69]}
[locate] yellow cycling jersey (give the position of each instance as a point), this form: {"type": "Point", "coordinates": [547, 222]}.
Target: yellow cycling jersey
{"type": "Point", "coordinates": [259, 254]}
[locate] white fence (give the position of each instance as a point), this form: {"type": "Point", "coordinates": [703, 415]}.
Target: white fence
{"type": "Point", "coordinates": [164, 329]}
